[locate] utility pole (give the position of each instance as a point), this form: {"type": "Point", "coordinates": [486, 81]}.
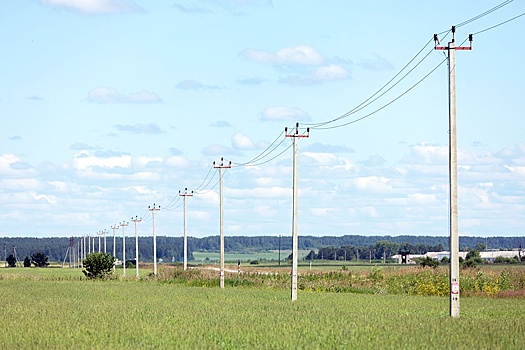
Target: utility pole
{"type": "Point", "coordinates": [154, 209]}
{"type": "Point", "coordinates": [123, 224]}
{"type": "Point", "coordinates": [105, 233]}
{"type": "Point", "coordinates": [279, 250]}
{"type": "Point", "coordinates": [453, 170]}
{"type": "Point", "coordinates": [221, 205]}
{"type": "Point", "coordinates": [295, 236]}
{"type": "Point", "coordinates": [184, 195]}
{"type": "Point", "coordinates": [136, 220]}
{"type": "Point", "coordinates": [99, 233]}
{"type": "Point", "coordinates": [114, 228]}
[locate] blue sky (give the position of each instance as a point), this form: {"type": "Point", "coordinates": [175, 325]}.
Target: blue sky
{"type": "Point", "coordinates": [110, 106]}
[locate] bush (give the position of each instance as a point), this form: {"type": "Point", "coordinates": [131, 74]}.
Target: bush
{"type": "Point", "coordinates": [98, 265]}
{"type": "Point", "coordinates": [428, 261]}
{"type": "Point", "coordinates": [27, 262]}
{"type": "Point", "coordinates": [11, 260]}
{"type": "Point", "coordinates": [40, 259]}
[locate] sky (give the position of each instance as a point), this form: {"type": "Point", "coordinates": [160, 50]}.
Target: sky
{"type": "Point", "coordinates": [109, 107]}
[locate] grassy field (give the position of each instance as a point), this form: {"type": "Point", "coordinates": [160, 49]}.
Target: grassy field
{"type": "Point", "coordinates": [57, 309]}
{"type": "Point", "coordinates": [245, 257]}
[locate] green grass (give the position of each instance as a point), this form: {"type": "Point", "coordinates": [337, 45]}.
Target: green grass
{"type": "Point", "coordinates": [84, 314]}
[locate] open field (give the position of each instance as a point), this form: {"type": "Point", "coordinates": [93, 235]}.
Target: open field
{"type": "Point", "coordinates": [245, 257]}
{"type": "Point", "coordinates": [61, 310]}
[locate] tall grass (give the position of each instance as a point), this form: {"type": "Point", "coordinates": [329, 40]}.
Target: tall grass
{"type": "Point", "coordinates": [144, 314]}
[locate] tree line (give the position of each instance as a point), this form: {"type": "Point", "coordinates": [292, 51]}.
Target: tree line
{"type": "Point", "coordinates": [171, 248]}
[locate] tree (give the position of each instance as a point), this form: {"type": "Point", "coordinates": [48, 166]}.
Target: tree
{"type": "Point", "coordinates": [40, 259]}
{"type": "Point", "coordinates": [98, 265]}
{"type": "Point", "coordinates": [27, 262]}
{"type": "Point", "coordinates": [11, 260]}
{"type": "Point", "coordinates": [428, 261]}
{"type": "Point", "coordinates": [472, 259]}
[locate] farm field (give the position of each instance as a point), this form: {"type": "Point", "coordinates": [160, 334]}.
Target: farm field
{"type": "Point", "coordinates": [67, 311]}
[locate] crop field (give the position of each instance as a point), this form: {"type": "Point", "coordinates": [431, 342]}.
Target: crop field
{"type": "Point", "coordinates": [59, 309]}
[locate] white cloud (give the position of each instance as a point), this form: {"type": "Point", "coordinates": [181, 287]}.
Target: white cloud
{"type": "Point", "coordinates": [83, 161]}
{"type": "Point", "coordinates": [284, 113]}
{"type": "Point", "coordinates": [296, 55]}
{"type": "Point", "coordinates": [103, 95]}
{"type": "Point", "coordinates": [95, 6]}
{"type": "Point", "coordinates": [331, 72]}
{"type": "Point", "coordinates": [371, 184]}
{"type": "Point", "coordinates": [242, 142]}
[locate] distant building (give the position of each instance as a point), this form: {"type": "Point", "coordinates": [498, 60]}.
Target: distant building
{"type": "Point", "coordinates": [489, 256]}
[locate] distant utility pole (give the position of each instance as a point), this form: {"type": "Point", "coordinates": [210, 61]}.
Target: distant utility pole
{"type": "Point", "coordinates": [114, 228]}
{"type": "Point", "coordinates": [295, 236]}
{"type": "Point", "coordinates": [184, 195]}
{"type": "Point", "coordinates": [453, 170]}
{"type": "Point", "coordinates": [221, 196]}
{"type": "Point", "coordinates": [99, 233]}
{"type": "Point", "coordinates": [105, 233]}
{"type": "Point", "coordinates": [136, 220]}
{"type": "Point", "coordinates": [153, 210]}
{"type": "Point", "coordinates": [123, 224]}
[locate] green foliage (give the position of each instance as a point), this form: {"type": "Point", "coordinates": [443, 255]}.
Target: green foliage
{"type": "Point", "coordinates": [428, 261]}
{"type": "Point", "coordinates": [27, 262]}
{"type": "Point", "coordinates": [254, 262]}
{"type": "Point", "coordinates": [40, 259]}
{"type": "Point", "coordinates": [445, 260]}
{"type": "Point", "coordinates": [98, 265]}
{"type": "Point", "coordinates": [11, 260]}
{"type": "Point", "coordinates": [473, 258]}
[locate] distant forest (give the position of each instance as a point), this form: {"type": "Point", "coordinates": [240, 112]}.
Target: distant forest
{"type": "Point", "coordinates": [171, 248]}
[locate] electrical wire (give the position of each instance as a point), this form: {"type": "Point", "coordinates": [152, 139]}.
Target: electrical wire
{"type": "Point", "coordinates": [264, 153]}
{"type": "Point", "coordinates": [364, 103]}
{"type": "Point", "coordinates": [475, 18]}
{"type": "Point", "coordinates": [386, 105]}
{"type": "Point", "coordinates": [497, 25]}
{"type": "Point", "coordinates": [200, 186]}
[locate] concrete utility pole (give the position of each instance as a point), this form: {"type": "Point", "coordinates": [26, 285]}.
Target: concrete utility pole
{"type": "Point", "coordinates": [184, 195]}
{"type": "Point", "coordinates": [136, 220]}
{"type": "Point", "coordinates": [99, 233]}
{"type": "Point", "coordinates": [153, 210]}
{"type": "Point", "coordinates": [114, 228]}
{"type": "Point", "coordinates": [453, 171]}
{"type": "Point", "coordinates": [105, 233]}
{"type": "Point", "coordinates": [123, 224]}
{"type": "Point", "coordinates": [221, 195]}
{"type": "Point", "coordinates": [295, 236]}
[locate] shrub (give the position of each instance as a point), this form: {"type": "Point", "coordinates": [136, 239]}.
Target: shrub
{"type": "Point", "coordinates": [27, 262]}
{"type": "Point", "coordinates": [40, 259]}
{"type": "Point", "coordinates": [11, 260]}
{"type": "Point", "coordinates": [98, 265]}
{"type": "Point", "coordinates": [428, 261]}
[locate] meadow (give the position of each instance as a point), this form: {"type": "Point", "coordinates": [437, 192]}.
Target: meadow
{"type": "Point", "coordinates": [59, 309]}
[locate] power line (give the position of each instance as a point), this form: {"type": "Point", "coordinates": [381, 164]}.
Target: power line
{"type": "Point", "coordinates": [499, 24]}
{"type": "Point", "coordinates": [386, 105]}
{"type": "Point", "coordinates": [475, 18]}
